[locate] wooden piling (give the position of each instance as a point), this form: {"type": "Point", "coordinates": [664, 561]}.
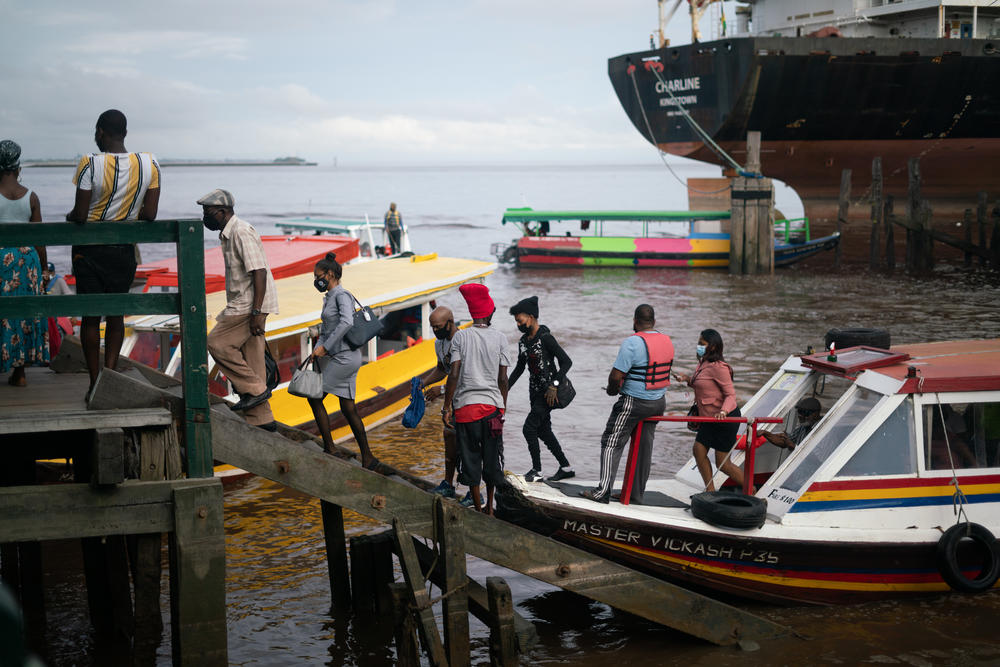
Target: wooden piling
{"type": "Point", "coordinates": [455, 604]}
{"type": "Point", "coordinates": [995, 241]}
{"type": "Point", "coordinates": [382, 546]}
{"type": "Point", "coordinates": [981, 223]}
{"type": "Point", "coordinates": [967, 223]}
{"type": "Point", "coordinates": [503, 642]}
{"type": "Point", "coordinates": [843, 205]}
{"type": "Point", "coordinates": [890, 235]}
{"type": "Point", "coordinates": [336, 555]}
{"type": "Point", "coordinates": [404, 629]}
{"type": "Point", "coordinates": [751, 233]}
{"type": "Point", "coordinates": [362, 575]}
{"type": "Point", "coordinates": [418, 597]}
{"type": "Point", "coordinates": [874, 257]}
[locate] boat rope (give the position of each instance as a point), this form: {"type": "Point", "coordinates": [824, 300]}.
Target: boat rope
{"type": "Point", "coordinates": [660, 152]}
{"type": "Point", "coordinates": [958, 499]}
{"type": "Point", "coordinates": [941, 137]}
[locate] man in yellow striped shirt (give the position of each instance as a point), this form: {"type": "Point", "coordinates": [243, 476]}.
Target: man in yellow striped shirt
{"type": "Point", "coordinates": [111, 186]}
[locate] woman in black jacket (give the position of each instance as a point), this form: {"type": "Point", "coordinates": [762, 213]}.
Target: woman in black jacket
{"type": "Point", "coordinates": [539, 350]}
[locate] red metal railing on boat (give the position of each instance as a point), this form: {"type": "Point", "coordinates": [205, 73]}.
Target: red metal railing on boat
{"type": "Point", "coordinates": [748, 462]}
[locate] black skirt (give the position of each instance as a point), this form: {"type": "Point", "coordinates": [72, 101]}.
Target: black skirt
{"type": "Point", "coordinates": [720, 437]}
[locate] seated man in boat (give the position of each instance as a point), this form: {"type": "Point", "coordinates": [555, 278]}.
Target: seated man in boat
{"type": "Point", "coordinates": [640, 375]}
{"type": "Point", "coordinates": [808, 411]}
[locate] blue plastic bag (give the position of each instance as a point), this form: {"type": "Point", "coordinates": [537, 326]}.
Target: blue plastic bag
{"type": "Point", "coordinates": [415, 410]}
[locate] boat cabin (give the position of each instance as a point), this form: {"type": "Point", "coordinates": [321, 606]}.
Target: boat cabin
{"type": "Point", "coordinates": [901, 429]}
{"type": "Point", "coordinates": [364, 231]}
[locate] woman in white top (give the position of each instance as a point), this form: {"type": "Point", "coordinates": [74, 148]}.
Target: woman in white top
{"type": "Point", "coordinates": [22, 342]}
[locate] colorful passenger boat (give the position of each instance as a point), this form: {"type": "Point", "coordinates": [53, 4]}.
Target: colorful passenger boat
{"type": "Point", "coordinates": [642, 239]}
{"type": "Point", "coordinates": [894, 492]}
{"type": "Point", "coordinates": [400, 290]}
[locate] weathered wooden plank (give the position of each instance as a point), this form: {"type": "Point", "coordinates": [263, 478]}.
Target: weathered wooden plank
{"type": "Point", "coordinates": [751, 224]}
{"type": "Point", "coordinates": [941, 237]}
{"type": "Point", "coordinates": [404, 629]}
{"type": "Point", "coordinates": [79, 510]}
{"type": "Point", "coordinates": [198, 576]}
{"type": "Point", "coordinates": [73, 233]}
{"type": "Point", "coordinates": [479, 604]}
{"type": "Point", "coordinates": [765, 230]}
{"type": "Point", "coordinates": [83, 420]}
{"type": "Point", "coordinates": [418, 594]}
{"type": "Point", "coordinates": [108, 457]}
{"type": "Point", "coordinates": [455, 606]}
{"type": "Point", "coordinates": [737, 223]}
{"type": "Point", "coordinates": [336, 555]}
{"type": "Point", "coordinates": [347, 484]}
{"type": "Point", "coordinates": [503, 642]}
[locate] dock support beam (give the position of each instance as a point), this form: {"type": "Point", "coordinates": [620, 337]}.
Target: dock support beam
{"type": "Point", "coordinates": [751, 223]}
{"type": "Point", "coordinates": [336, 555]}
{"type": "Point", "coordinates": [878, 207]}
{"type": "Point", "coordinates": [455, 606]}
{"type": "Point", "coordinates": [843, 206]}
{"type": "Point", "coordinates": [503, 641]}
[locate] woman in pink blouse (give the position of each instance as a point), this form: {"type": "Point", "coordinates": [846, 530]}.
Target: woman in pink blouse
{"type": "Point", "coordinates": [715, 396]}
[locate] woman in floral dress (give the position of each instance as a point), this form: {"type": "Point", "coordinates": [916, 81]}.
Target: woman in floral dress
{"type": "Point", "coordinates": [22, 342]}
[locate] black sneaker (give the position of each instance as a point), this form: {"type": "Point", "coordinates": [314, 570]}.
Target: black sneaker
{"type": "Point", "coordinates": [533, 476]}
{"type": "Point", "coordinates": [248, 401]}
{"type": "Point", "coordinates": [562, 473]}
{"type": "Point", "coordinates": [592, 494]}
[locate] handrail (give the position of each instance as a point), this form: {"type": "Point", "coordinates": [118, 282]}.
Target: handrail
{"type": "Point", "coordinates": [789, 227]}
{"type": "Point", "coordinates": [188, 302]}
{"type": "Point", "coordinates": [748, 463]}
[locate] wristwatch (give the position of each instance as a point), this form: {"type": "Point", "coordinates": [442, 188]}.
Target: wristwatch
{"type": "Point", "coordinates": [255, 311]}
{"type": "Point", "coordinates": [555, 383]}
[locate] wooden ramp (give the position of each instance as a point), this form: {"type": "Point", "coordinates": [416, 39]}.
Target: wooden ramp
{"type": "Point", "coordinates": [302, 466]}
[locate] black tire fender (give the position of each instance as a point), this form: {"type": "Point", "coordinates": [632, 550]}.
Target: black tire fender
{"type": "Point", "coordinates": [849, 337]}
{"type": "Point", "coordinates": [729, 510]}
{"type": "Point", "coordinates": [510, 255]}
{"type": "Point", "coordinates": [947, 558]}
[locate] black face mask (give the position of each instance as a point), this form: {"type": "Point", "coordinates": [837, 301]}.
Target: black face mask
{"type": "Point", "coordinates": [211, 223]}
{"type": "Point", "coordinates": [321, 284]}
{"type": "Point", "coordinates": [524, 328]}
{"type": "Point", "coordinates": [441, 334]}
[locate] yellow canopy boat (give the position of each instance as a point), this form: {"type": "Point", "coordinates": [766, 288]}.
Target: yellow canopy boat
{"type": "Point", "coordinates": [400, 290]}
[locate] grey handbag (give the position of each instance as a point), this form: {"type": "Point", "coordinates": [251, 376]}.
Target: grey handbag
{"type": "Point", "coordinates": [306, 382]}
{"type": "Point", "coordinates": [366, 326]}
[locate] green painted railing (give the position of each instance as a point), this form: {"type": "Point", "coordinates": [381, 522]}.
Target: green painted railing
{"type": "Point", "coordinates": [786, 228]}
{"type": "Point", "coordinates": [188, 303]}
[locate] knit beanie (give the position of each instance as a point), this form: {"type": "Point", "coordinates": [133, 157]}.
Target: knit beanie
{"type": "Point", "coordinates": [527, 306]}
{"type": "Point", "coordinates": [478, 298]}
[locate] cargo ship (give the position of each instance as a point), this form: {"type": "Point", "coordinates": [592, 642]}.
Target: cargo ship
{"type": "Point", "coordinates": [832, 84]}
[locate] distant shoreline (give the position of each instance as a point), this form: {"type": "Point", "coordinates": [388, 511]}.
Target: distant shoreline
{"type": "Point", "coordinates": [191, 163]}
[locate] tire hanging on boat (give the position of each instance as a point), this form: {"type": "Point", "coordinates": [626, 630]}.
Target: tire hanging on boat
{"type": "Point", "coordinates": [950, 568]}
{"type": "Point", "coordinates": [729, 510]}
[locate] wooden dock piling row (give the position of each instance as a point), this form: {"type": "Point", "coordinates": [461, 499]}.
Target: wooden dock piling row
{"type": "Point", "coordinates": [751, 234]}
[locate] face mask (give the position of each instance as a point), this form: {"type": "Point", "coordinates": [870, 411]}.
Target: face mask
{"type": "Point", "coordinates": [524, 328]}
{"type": "Point", "coordinates": [321, 284]}
{"type": "Point", "coordinates": [441, 334]}
{"type": "Point", "coordinates": [211, 223]}
{"type": "Point", "coordinates": [700, 351]}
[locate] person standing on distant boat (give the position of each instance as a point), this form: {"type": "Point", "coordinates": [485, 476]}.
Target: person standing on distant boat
{"type": "Point", "coordinates": [22, 342]}
{"type": "Point", "coordinates": [715, 396]}
{"type": "Point", "coordinates": [640, 375]}
{"type": "Point", "coordinates": [338, 363]}
{"type": "Point", "coordinates": [442, 322]}
{"type": "Point", "coordinates": [111, 186]}
{"type": "Point", "coordinates": [236, 342]}
{"type": "Point", "coordinates": [394, 228]}
{"type": "Point", "coordinates": [476, 396]}
{"type": "Point", "coordinates": [539, 352]}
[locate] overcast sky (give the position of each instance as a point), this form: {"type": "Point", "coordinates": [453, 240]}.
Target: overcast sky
{"type": "Point", "coordinates": [372, 81]}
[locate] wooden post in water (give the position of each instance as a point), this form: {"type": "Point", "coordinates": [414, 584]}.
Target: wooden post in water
{"type": "Point", "coordinates": [336, 555]}
{"type": "Point", "coordinates": [890, 235]}
{"type": "Point", "coordinates": [995, 241]}
{"type": "Point", "coordinates": [362, 575]}
{"type": "Point", "coordinates": [503, 642]}
{"type": "Point", "coordinates": [417, 594]}
{"type": "Point", "coordinates": [404, 629]}
{"type": "Point", "coordinates": [877, 221]}
{"type": "Point", "coordinates": [751, 234]}
{"type": "Point", "coordinates": [455, 606]}
{"type": "Point", "coordinates": [914, 247]}
{"type": "Point", "coordinates": [981, 222]}
{"type": "Point", "coordinates": [967, 223]}
{"type": "Point", "coordinates": [382, 574]}
{"type": "Point", "coordinates": [844, 203]}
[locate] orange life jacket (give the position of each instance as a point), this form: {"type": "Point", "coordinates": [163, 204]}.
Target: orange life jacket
{"type": "Point", "coordinates": [660, 354]}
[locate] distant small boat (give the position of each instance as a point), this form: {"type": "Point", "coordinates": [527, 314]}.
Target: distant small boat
{"type": "Point", "coordinates": [677, 239]}
{"type": "Point", "coordinates": [286, 256]}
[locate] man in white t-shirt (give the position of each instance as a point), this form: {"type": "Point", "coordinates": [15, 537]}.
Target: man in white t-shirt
{"type": "Point", "coordinates": [476, 396]}
{"type": "Point", "coordinates": [443, 325]}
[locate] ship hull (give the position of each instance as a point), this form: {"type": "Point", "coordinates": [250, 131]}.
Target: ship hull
{"type": "Point", "coordinates": [824, 105]}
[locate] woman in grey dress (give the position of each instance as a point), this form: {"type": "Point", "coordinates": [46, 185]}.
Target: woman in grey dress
{"type": "Point", "coordinates": [338, 362]}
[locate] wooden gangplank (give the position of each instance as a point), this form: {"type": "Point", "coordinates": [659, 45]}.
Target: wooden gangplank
{"type": "Point", "coordinates": [386, 500]}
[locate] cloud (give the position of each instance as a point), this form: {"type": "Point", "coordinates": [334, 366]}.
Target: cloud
{"type": "Point", "coordinates": [182, 44]}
